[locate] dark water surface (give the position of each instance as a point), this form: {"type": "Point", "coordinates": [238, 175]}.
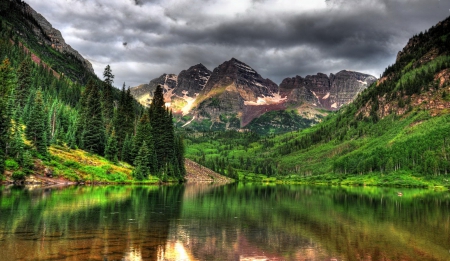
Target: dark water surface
{"type": "Point", "coordinates": [223, 222]}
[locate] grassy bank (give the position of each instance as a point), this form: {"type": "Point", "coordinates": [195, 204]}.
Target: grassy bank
{"type": "Point", "coordinates": [74, 165]}
{"type": "Point", "coordinates": [395, 179]}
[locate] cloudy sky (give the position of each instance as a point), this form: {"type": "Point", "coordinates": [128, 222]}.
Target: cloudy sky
{"type": "Point", "coordinates": [142, 39]}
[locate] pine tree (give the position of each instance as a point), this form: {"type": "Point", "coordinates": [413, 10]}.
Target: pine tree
{"type": "Point", "coordinates": [111, 149]}
{"type": "Point", "coordinates": [82, 108]}
{"type": "Point", "coordinates": [126, 152]}
{"type": "Point", "coordinates": [94, 131]}
{"type": "Point", "coordinates": [143, 133]}
{"type": "Point", "coordinates": [158, 122]}
{"type": "Point", "coordinates": [124, 117]}
{"type": "Point", "coordinates": [141, 163]}
{"type": "Point", "coordinates": [168, 149]}
{"type": "Point", "coordinates": [108, 99]}
{"type": "Point", "coordinates": [16, 145]}
{"type": "Point", "coordinates": [7, 82]}
{"type": "Point", "coordinates": [23, 82]}
{"type": "Point", "coordinates": [179, 155]}
{"type": "Point", "coordinates": [36, 130]}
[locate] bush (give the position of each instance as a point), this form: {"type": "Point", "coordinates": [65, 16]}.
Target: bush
{"type": "Point", "coordinates": [11, 164]}
{"type": "Point", "coordinates": [18, 175]}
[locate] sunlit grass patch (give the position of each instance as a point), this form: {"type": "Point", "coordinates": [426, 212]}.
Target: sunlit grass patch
{"type": "Point", "coordinates": [78, 165]}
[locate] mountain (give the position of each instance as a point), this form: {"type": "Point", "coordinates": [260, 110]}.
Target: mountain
{"type": "Point", "coordinates": [395, 132]}
{"type": "Point", "coordinates": [39, 38]}
{"type": "Point", "coordinates": [235, 96]}
{"type": "Point", "coordinates": [328, 92]}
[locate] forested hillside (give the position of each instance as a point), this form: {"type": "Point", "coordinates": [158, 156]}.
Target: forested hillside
{"type": "Point", "coordinates": [49, 100]}
{"type": "Point", "coordinates": [395, 132]}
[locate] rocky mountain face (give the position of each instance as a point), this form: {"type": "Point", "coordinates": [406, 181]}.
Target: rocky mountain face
{"type": "Point", "coordinates": [233, 95]}
{"type": "Point", "coordinates": [45, 44]}
{"type": "Point", "coordinates": [144, 92]}
{"type": "Point", "coordinates": [192, 81]}
{"type": "Point", "coordinates": [327, 92]}
{"type": "Point", "coordinates": [27, 21]}
{"type": "Point", "coordinates": [51, 36]}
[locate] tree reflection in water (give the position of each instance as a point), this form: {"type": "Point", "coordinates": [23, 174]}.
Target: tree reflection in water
{"type": "Point", "coordinates": [223, 222]}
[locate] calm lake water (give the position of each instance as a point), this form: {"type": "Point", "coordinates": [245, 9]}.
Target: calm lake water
{"type": "Point", "coordinates": [223, 222]}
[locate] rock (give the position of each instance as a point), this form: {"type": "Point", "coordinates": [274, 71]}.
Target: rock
{"type": "Point", "coordinates": [48, 172]}
{"type": "Point", "coordinates": [144, 92]}
{"type": "Point", "coordinates": [192, 80]}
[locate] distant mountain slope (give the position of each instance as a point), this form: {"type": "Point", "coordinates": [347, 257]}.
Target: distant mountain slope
{"type": "Point", "coordinates": [39, 36]}
{"type": "Point", "coordinates": [235, 96]}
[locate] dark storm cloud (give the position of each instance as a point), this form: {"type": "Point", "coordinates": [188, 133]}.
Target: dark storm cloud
{"type": "Point", "coordinates": [278, 38]}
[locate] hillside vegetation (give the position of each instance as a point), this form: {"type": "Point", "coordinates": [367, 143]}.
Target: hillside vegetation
{"type": "Point", "coordinates": [394, 133]}
{"type": "Point", "coordinates": [55, 114]}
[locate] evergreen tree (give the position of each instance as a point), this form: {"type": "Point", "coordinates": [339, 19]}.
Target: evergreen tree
{"type": "Point", "coordinates": [23, 82]}
{"type": "Point", "coordinates": [111, 149]}
{"type": "Point", "coordinates": [82, 108]}
{"type": "Point", "coordinates": [7, 82]}
{"type": "Point", "coordinates": [141, 163]}
{"type": "Point", "coordinates": [36, 130]}
{"type": "Point", "coordinates": [94, 131]}
{"type": "Point", "coordinates": [179, 155]}
{"type": "Point", "coordinates": [108, 99]}
{"type": "Point", "coordinates": [158, 121]}
{"type": "Point", "coordinates": [126, 152]}
{"type": "Point", "coordinates": [16, 145]}
{"type": "Point", "coordinates": [168, 150]}
{"type": "Point", "coordinates": [124, 117]}
{"type": "Point", "coordinates": [143, 133]}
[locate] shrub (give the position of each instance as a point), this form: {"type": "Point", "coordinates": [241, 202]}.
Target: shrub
{"type": "Point", "coordinates": [18, 175]}
{"type": "Point", "coordinates": [11, 164]}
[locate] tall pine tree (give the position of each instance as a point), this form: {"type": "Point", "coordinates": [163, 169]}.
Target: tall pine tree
{"type": "Point", "coordinates": [94, 130]}
{"type": "Point", "coordinates": [7, 83]}
{"type": "Point", "coordinates": [108, 99]}
{"type": "Point", "coordinates": [142, 163]}
{"type": "Point", "coordinates": [144, 134]}
{"type": "Point", "coordinates": [37, 128]}
{"type": "Point", "coordinates": [111, 149]}
{"type": "Point", "coordinates": [23, 82]}
{"type": "Point", "coordinates": [169, 152]}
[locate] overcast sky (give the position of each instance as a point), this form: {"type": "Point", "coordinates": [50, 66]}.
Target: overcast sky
{"type": "Point", "coordinates": [142, 39]}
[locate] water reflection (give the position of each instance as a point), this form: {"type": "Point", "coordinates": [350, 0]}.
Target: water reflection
{"type": "Point", "coordinates": [223, 222]}
{"type": "Point", "coordinates": [87, 223]}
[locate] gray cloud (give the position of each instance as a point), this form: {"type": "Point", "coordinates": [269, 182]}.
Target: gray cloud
{"type": "Point", "coordinates": [278, 38]}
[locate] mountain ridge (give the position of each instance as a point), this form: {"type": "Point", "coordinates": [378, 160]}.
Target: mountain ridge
{"type": "Point", "coordinates": [234, 94]}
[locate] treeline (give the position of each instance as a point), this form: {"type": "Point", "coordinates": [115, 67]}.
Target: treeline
{"type": "Point", "coordinates": [230, 152]}
{"type": "Point", "coordinates": [38, 109]}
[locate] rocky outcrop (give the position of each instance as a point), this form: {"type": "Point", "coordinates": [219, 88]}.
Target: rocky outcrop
{"type": "Point", "coordinates": [144, 92]}
{"type": "Point", "coordinates": [192, 81]}
{"type": "Point", "coordinates": [51, 36]}
{"type": "Point", "coordinates": [198, 173]}
{"type": "Point", "coordinates": [325, 92]}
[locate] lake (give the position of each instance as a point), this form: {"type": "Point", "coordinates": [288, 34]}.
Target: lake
{"type": "Point", "coordinates": [223, 222]}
